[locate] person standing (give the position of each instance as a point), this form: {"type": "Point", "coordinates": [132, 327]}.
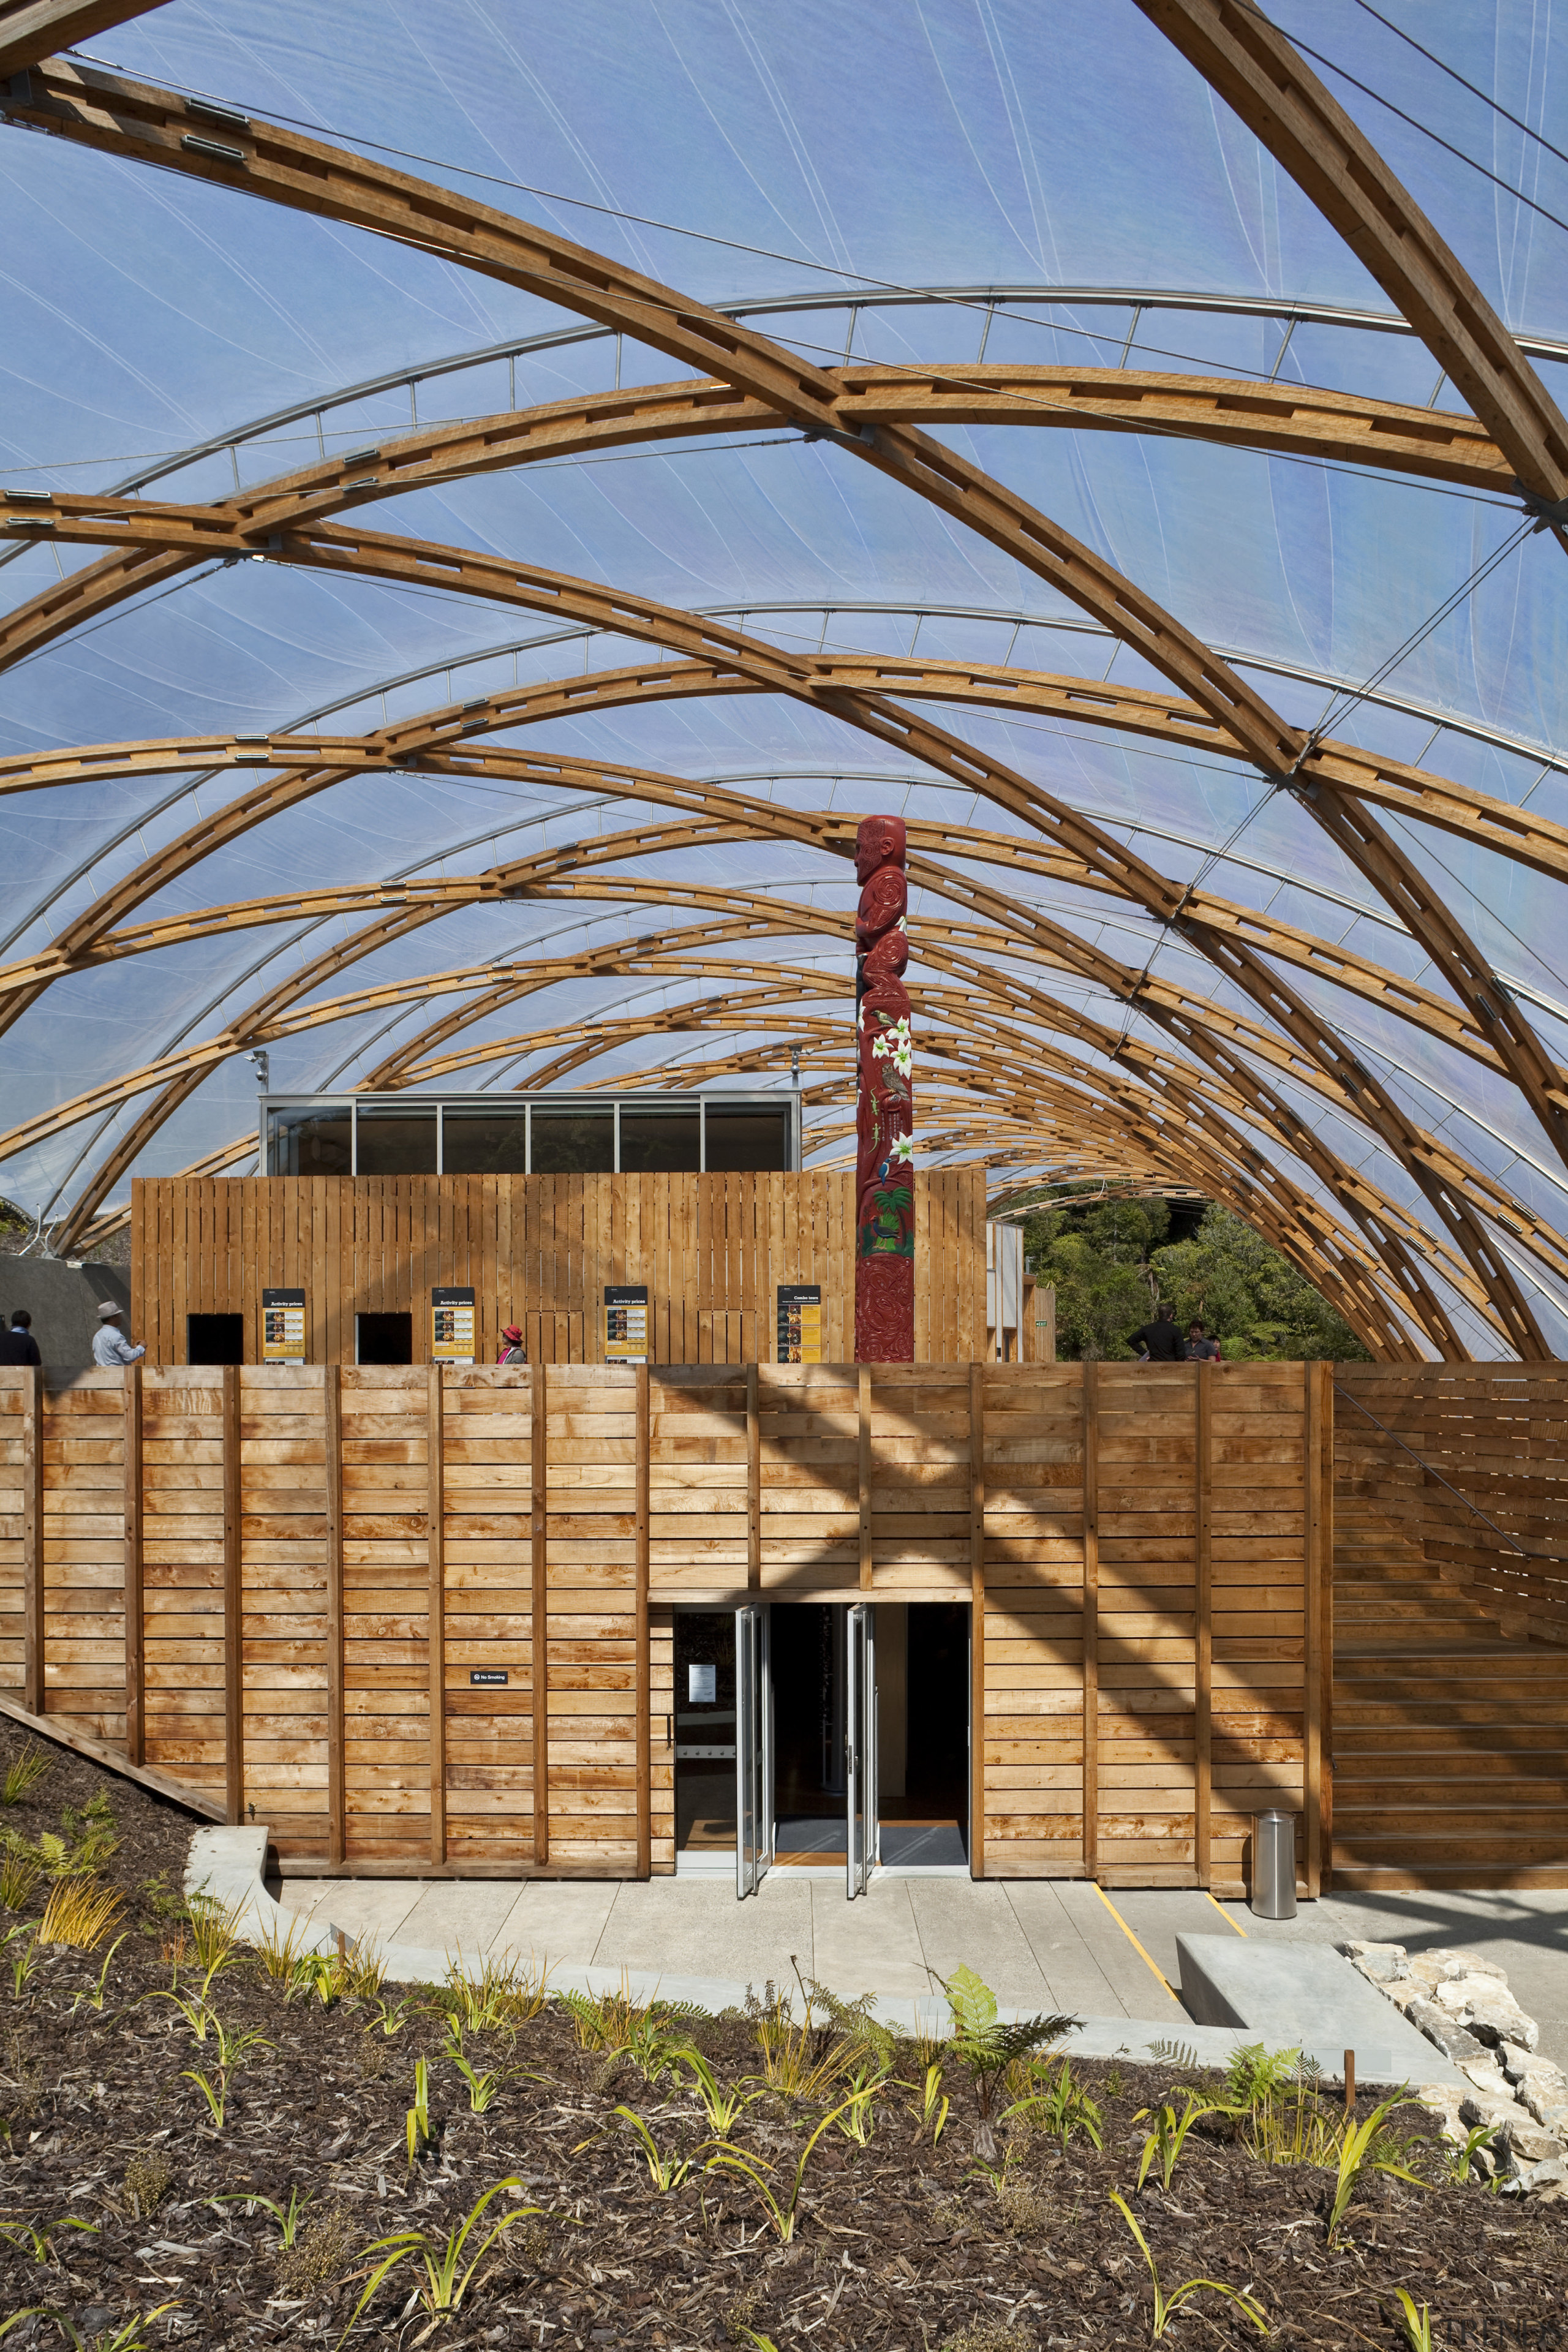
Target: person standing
{"type": "Point", "coordinates": [1201, 1349]}
{"type": "Point", "coordinates": [512, 1350]}
{"type": "Point", "coordinates": [109, 1344]}
{"type": "Point", "coordinates": [22, 1347]}
{"type": "Point", "coordinates": [1158, 1342]}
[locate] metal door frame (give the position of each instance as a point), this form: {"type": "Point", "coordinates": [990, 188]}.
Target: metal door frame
{"type": "Point", "coordinates": [753, 1749]}
{"type": "Point", "coordinates": [860, 1825]}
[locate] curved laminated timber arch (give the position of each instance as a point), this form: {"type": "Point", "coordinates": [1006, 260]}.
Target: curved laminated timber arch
{"type": "Point", "coordinates": [1516, 437]}
{"type": "Point", "coordinates": [1108, 862]}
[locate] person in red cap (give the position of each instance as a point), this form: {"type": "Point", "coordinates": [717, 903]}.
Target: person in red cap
{"type": "Point", "coordinates": [512, 1350]}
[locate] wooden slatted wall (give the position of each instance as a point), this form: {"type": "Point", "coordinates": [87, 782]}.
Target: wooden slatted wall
{"type": "Point", "coordinates": [1145, 1546]}
{"type": "Point", "coordinates": [539, 1250]}
{"type": "Point", "coordinates": [1470, 1460]}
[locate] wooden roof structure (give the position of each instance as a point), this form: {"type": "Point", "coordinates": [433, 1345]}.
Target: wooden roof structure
{"type": "Point", "coordinates": [1080, 1005]}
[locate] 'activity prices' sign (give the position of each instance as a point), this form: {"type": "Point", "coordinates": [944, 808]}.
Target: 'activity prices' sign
{"type": "Point", "coordinates": [451, 1327]}
{"type": "Point", "coordinates": [800, 1323]}
{"type": "Point", "coordinates": [283, 1326]}
{"type": "Point", "coordinates": [625, 1323]}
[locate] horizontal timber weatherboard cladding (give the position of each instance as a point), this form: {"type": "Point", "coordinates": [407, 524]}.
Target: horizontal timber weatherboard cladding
{"type": "Point", "coordinates": [494, 1697]}
{"type": "Point", "coordinates": [539, 1250]}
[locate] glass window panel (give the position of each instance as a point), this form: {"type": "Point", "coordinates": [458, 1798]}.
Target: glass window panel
{"type": "Point", "coordinates": [396, 1143]}
{"type": "Point", "coordinates": [573, 1142]}
{"type": "Point", "coordinates": [751, 1138]}
{"type": "Point", "coordinates": [484, 1143]}
{"type": "Point", "coordinates": [665, 1141]}
{"type": "Point", "coordinates": [310, 1143]}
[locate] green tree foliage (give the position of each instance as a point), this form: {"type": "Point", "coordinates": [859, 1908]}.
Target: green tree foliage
{"type": "Point", "coordinates": [1112, 1261]}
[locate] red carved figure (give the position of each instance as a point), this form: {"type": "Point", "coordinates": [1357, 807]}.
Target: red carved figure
{"type": "Point", "coordinates": [884, 1177]}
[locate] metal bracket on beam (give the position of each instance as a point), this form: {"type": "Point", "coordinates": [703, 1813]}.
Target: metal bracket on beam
{"type": "Point", "coordinates": [864, 438]}
{"type": "Point", "coordinates": [1549, 513]}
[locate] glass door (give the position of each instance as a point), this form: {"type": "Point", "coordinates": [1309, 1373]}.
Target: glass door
{"type": "Point", "coordinates": [753, 1749]}
{"type": "Point", "coordinates": [861, 1748]}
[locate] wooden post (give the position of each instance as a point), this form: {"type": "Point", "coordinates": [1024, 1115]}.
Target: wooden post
{"type": "Point", "coordinates": [976, 1621]}
{"type": "Point", "coordinates": [1202, 1629]}
{"type": "Point", "coordinates": [1318, 1502]}
{"type": "Point", "coordinates": [1090, 1448]}
{"type": "Point", "coordinates": [539, 1624]}
{"type": "Point", "coordinates": [864, 1389]}
{"type": "Point", "coordinates": [135, 1660]}
{"type": "Point", "coordinates": [644, 1642]}
{"type": "Point", "coordinates": [337, 1802]}
{"type": "Point", "coordinates": [754, 1484]}
{"type": "Point", "coordinates": [435, 1635]}
{"type": "Point", "coordinates": [233, 1606]}
{"type": "Point", "coordinates": [32, 1540]}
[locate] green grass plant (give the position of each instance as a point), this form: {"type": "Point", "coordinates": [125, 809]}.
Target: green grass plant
{"type": "Point", "coordinates": [447, 2276]}
{"type": "Point", "coordinates": [232, 2051]}
{"type": "Point", "coordinates": [24, 1775]}
{"type": "Point", "coordinates": [131, 2337]}
{"type": "Point", "coordinates": [1167, 2305]}
{"type": "Point", "coordinates": [1060, 2104]}
{"type": "Point", "coordinates": [37, 2238]}
{"type": "Point", "coordinates": [20, 1871]}
{"type": "Point", "coordinates": [721, 2107]}
{"type": "Point", "coordinates": [931, 2112]}
{"type": "Point", "coordinates": [1363, 2154]}
{"type": "Point", "coordinates": [782, 2214]}
{"type": "Point", "coordinates": [288, 2217]}
{"type": "Point", "coordinates": [94, 1999]}
{"type": "Point", "coordinates": [1416, 2321]}
{"type": "Point", "coordinates": [1169, 2137]}
{"type": "Point", "coordinates": [666, 2172]}
{"type": "Point", "coordinates": [24, 1957]}
{"type": "Point", "coordinates": [417, 2124]}
{"type": "Point", "coordinates": [77, 1915]}
{"type": "Point", "coordinates": [1462, 2162]}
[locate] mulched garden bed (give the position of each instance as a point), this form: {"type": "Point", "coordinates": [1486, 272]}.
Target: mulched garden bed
{"type": "Point", "coordinates": [901, 2246]}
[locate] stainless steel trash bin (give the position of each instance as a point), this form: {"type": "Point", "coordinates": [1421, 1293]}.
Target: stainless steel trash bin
{"type": "Point", "coordinates": [1274, 1866]}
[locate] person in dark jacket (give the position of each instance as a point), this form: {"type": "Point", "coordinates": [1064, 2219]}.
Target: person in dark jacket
{"type": "Point", "coordinates": [1158, 1342]}
{"type": "Point", "coordinates": [18, 1346]}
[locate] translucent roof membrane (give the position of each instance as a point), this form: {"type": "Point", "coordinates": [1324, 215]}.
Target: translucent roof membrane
{"type": "Point", "coordinates": [1340, 1006]}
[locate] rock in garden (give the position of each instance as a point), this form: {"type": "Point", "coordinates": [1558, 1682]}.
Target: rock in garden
{"type": "Point", "coordinates": [1527, 2143]}
{"type": "Point", "coordinates": [1491, 2109]}
{"type": "Point", "coordinates": [1380, 1964]}
{"type": "Point", "coordinates": [1442, 2031]}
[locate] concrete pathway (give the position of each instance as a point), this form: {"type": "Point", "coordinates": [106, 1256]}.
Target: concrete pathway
{"type": "Point", "coordinates": [1041, 1944]}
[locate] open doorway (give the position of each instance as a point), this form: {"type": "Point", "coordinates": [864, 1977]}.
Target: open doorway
{"type": "Point", "coordinates": [883, 1771]}
{"type": "Point", "coordinates": [705, 1794]}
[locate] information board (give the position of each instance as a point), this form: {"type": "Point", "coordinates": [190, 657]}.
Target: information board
{"type": "Point", "coordinates": [625, 1323]}
{"type": "Point", "coordinates": [451, 1327]}
{"type": "Point", "coordinates": [800, 1323]}
{"type": "Point", "coordinates": [283, 1326]}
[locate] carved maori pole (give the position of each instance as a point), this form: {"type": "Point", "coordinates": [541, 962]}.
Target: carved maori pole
{"type": "Point", "coordinates": [884, 1122]}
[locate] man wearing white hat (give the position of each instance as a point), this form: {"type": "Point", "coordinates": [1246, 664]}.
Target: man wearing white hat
{"type": "Point", "coordinates": [109, 1344]}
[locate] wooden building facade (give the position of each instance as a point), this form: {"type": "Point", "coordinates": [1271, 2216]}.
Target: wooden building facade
{"type": "Point", "coordinates": [540, 1251]}
{"type": "Point", "coordinates": [421, 1619]}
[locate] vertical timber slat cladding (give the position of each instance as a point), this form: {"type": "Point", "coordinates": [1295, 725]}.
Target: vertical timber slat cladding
{"type": "Point", "coordinates": [232, 1605]}
{"type": "Point", "coordinates": [130, 1472]}
{"type": "Point", "coordinates": [77, 1502]}
{"type": "Point", "coordinates": [538, 1250]}
{"type": "Point", "coordinates": [387, 1594]}
{"type": "Point", "coordinates": [547, 1524]}
{"type": "Point", "coordinates": [590, 1422]}
{"type": "Point", "coordinates": [291, 1576]}
{"type": "Point", "coordinates": [487, 1551]}
{"type": "Point", "coordinates": [32, 1486]}
{"type": "Point", "coordinates": [183, 1484]}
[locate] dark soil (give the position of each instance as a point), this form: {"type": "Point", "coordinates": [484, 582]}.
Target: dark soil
{"type": "Point", "coordinates": [900, 2244]}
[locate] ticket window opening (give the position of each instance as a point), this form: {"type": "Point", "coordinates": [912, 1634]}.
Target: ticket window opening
{"type": "Point", "coordinates": [383, 1338]}
{"type": "Point", "coordinates": [215, 1339]}
{"type": "Point", "coordinates": [704, 1728]}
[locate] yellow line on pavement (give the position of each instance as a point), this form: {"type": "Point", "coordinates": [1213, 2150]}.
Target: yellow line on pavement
{"type": "Point", "coordinates": [1132, 1939]}
{"type": "Point", "coordinates": [1224, 1914]}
